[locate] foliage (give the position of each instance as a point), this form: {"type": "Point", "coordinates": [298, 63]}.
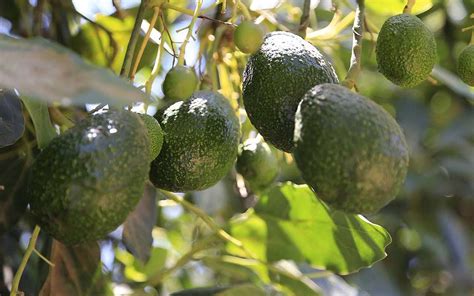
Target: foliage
{"type": "Point", "coordinates": [227, 239]}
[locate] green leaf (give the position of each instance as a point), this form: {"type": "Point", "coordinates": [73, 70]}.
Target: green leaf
{"type": "Point", "coordinates": [12, 124]}
{"type": "Point", "coordinates": [44, 129]}
{"type": "Point", "coordinates": [77, 271]}
{"type": "Point", "coordinates": [289, 222]}
{"type": "Point", "coordinates": [245, 289]}
{"type": "Point", "coordinates": [393, 7]}
{"type": "Point", "coordinates": [49, 72]}
{"type": "Point", "coordinates": [139, 225]}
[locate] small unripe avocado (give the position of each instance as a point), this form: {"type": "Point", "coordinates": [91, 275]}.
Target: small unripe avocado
{"type": "Point", "coordinates": [349, 149]}
{"type": "Point", "coordinates": [275, 79]}
{"type": "Point", "coordinates": [257, 164]}
{"type": "Point", "coordinates": [405, 50]}
{"type": "Point", "coordinates": [200, 143]}
{"type": "Point", "coordinates": [180, 83]}
{"type": "Point", "coordinates": [248, 37]}
{"type": "Point", "coordinates": [466, 65]}
{"type": "Point", "coordinates": [86, 181]}
{"type": "Point", "coordinates": [155, 134]}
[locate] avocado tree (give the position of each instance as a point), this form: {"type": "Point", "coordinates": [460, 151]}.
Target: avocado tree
{"type": "Point", "coordinates": [297, 147]}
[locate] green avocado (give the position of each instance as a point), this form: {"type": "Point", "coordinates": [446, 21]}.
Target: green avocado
{"type": "Point", "coordinates": [405, 50]}
{"type": "Point", "coordinates": [248, 36]}
{"type": "Point", "coordinates": [86, 181]}
{"type": "Point", "coordinates": [466, 65]}
{"type": "Point", "coordinates": [180, 83]}
{"type": "Point", "coordinates": [200, 143]}
{"type": "Point", "coordinates": [155, 134]}
{"type": "Point", "coordinates": [349, 149]}
{"type": "Point", "coordinates": [257, 164]}
{"type": "Point", "coordinates": [276, 78]}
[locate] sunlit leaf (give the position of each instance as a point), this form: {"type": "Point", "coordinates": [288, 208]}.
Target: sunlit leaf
{"type": "Point", "coordinates": [393, 7]}
{"type": "Point", "coordinates": [12, 123]}
{"type": "Point", "coordinates": [139, 225]}
{"type": "Point", "coordinates": [289, 222]}
{"type": "Point", "coordinates": [47, 71]}
{"type": "Point", "coordinates": [77, 271]}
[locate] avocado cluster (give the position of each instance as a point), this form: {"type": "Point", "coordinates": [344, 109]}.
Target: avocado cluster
{"type": "Point", "coordinates": [275, 79]}
{"type": "Point", "coordinates": [348, 149]}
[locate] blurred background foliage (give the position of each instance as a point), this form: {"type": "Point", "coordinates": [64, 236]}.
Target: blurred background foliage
{"type": "Point", "coordinates": [431, 221]}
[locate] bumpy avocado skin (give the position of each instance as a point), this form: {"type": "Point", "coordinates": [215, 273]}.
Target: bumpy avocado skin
{"type": "Point", "coordinates": [200, 143]}
{"type": "Point", "coordinates": [155, 134]}
{"type": "Point", "coordinates": [86, 181]}
{"type": "Point", "coordinates": [276, 78]}
{"type": "Point", "coordinates": [349, 149]}
{"type": "Point", "coordinates": [257, 164]}
{"type": "Point", "coordinates": [405, 50]}
{"type": "Point", "coordinates": [466, 65]}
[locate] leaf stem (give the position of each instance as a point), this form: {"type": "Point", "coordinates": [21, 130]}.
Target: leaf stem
{"type": "Point", "coordinates": [304, 21]}
{"type": "Point", "coordinates": [24, 261]}
{"type": "Point", "coordinates": [156, 12]}
{"type": "Point", "coordinates": [201, 245]}
{"type": "Point", "coordinates": [357, 30]}
{"type": "Point", "coordinates": [409, 6]}
{"type": "Point", "coordinates": [129, 54]}
{"type": "Point", "coordinates": [182, 49]}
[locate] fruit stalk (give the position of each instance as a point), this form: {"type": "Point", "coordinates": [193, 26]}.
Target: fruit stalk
{"type": "Point", "coordinates": [358, 30]}
{"type": "Point", "coordinates": [304, 22]}
{"type": "Point", "coordinates": [409, 6]}
{"type": "Point", "coordinates": [24, 261]}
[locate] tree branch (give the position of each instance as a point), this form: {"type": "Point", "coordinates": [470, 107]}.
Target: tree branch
{"type": "Point", "coordinates": [357, 30]}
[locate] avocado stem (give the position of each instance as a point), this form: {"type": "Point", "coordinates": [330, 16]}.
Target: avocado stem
{"type": "Point", "coordinates": [358, 31]}
{"type": "Point", "coordinates": [409, 6]}
{"type": "Point", "coordinates": [304, 21]}
{"type": "Point", "coordinates": [24, 261]}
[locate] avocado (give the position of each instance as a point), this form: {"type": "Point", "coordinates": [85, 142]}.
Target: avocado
{"type": "Point", "coordinates": [200, 143]}
{"type": "Point", "coordinates": [257, 164]}
{"type": "Point", "coordinates": [248, 37]}
{"type": "Point", "coordinates": [349, 149]}
{"type": "Point", "coordinates": [405, 50]}
{"type": "Point", "coordinates": [466, 65]}
{"type": "Point", "coordinates": [155, 134]}
{"type": "Point", "coordinates": [86, 181]}
{"type": "Point", "coordinates": [180, 83]}
{"type": "Point", "coordinates": [275, 79]}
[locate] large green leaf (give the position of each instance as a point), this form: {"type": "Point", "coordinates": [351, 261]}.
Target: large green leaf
{"type": "Point", "coordinates": [47, 71]}
{"type": "Point", "coordinates": [289, 222]}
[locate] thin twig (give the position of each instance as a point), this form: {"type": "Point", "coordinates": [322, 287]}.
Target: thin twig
{"type": "Point", "coordinates": [38, 17]}
{"type": "Point", "coordinates": [129, 54]}
{"type": "Point", "coordinates": [182, 49]}
{"type": "Point", "coordinates": [304, 22]}
{"type": "Point", "coordinates": [109, 33]}
{"type": "Point", "coordinates": [156, 12]}
{"type": "Point", "coordinates": [24, 261]}
{"type": "Point", "coordinates": [357, 31]}
{"type": "Point", "coordinates": [216, 20]}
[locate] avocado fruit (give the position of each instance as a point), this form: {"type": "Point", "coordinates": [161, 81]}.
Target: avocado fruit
{"type": "Point", "coordinates": [155, 134]}
{"type": "Point", "coordinates": [275, 79]}
{"type": "Point", "coordinates": [405, 50]}
{"type": "Point", "coordinates": [257, 164]}
{"type": "Point", "coordinates": [200, 143]}
{"type": "Point", "coordinates": [180, 83]}
{"type": "Point", "coordinates": [86, 181]}
{"type": "Point", "coordinates": [349, 149]}
{"type": "Point", "coordinates": [466, 65]}
{"type": "Point", "coordinates": [248, 37]}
